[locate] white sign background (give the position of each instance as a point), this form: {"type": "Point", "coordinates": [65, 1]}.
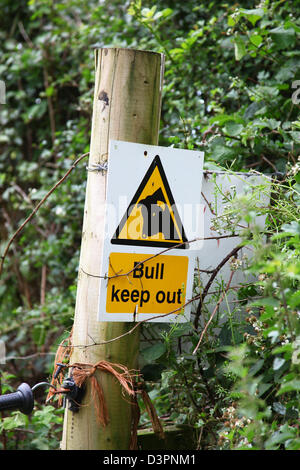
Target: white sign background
{"type": "Point", "coordinates": [127, 165]}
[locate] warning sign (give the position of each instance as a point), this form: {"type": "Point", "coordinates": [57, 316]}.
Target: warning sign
{"type": "Point", "coordinates": [152, 213]}
{"type": "Point", "coordinates": [152, 218]}
{"type": "Point", "coordinates": [138, 284]}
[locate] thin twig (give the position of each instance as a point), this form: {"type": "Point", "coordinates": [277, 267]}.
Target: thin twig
{"type": "Point", "coordinates": [269, 163]}
{"type": "Point", "coordinates": [211, 279]}
{"type": "Point", "coordinates": [25, 35]}
{"type": "Point", "coordinates": [19, 230]}
{"type": "Point", "coordinates": [43, 285]}
{"type": "Point", "coordinates": [197, 297]}
{"type": "Point", "coordinates": [30, 356]}
{"type": "Point", "coordinates": [213, 313]}
{"type": "Point", "coordinates": [208, 203]}
{"type": "Point", "coordinates": [51, 110]}
{"type": "Point", "coordinates": [158, 254]}
{"type": "Point", "coordinates": [135, 326]}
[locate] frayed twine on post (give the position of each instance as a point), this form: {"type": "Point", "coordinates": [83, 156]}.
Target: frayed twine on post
{"type": "Point", "coordinates": [156, 424]}
{"type": "Point", "coordinates": [136, 413]}
{"type": "Point", "coordinates": [81, 372]}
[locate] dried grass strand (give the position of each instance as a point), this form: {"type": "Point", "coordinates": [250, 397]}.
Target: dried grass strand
{"type": "Point", "coordinates": [82, 372]}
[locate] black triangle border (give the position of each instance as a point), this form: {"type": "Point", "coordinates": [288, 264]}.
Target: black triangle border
{"type": "Point", "coordinates": [116, 241]}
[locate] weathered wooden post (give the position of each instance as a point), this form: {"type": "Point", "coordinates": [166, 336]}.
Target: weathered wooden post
{"type": "Point", "coordinates": [127, 101]}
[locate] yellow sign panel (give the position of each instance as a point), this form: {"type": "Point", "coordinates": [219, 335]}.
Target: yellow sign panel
{"type": "Point", "coordinates": [152, 218]}
{"type": "Point", "coordinates": [138, 284]}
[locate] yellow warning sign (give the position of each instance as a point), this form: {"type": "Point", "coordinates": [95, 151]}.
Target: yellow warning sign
{"type": "Point", "coordinates": [138, 284]}
{"type": "Point", "coordinates": [152, 218]}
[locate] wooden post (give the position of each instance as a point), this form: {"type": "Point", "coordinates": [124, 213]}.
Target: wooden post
{"type": "Point", "coordinates": [127, 101]}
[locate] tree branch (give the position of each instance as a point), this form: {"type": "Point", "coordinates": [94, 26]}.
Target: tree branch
{"type": "Point", "coordinates": [211, 279]}
{"type": "Point", "coordinates": [213, 313]}
{"type": "Point", "coordinates": [158, 254]}
{"type": "Point", "coordinates": [19, 230]}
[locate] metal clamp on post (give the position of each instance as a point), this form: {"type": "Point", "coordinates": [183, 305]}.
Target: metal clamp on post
{"type": "Point", "coordinates": [74, 394]}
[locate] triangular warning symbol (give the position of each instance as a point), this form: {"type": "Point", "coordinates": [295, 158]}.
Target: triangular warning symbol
{"type": "Point", "coordinates": [152, 218]}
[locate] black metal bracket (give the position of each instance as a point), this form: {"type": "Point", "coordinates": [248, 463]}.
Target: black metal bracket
{"type": "Point", "coordinates": [75, 394]}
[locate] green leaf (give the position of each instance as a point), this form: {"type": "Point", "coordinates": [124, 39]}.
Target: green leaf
{"type": "Point", "coordinates": [256, 39]}
{"type": "Point", "coordinates": [233, 128]}
{"type": "Point", "coordinates": [293, 227]}
{"type": "Point", "coordinates": [263, 387]}
{"type": "Point", "coordinates": [233, 20]}
{"type": "Point", "coordinates": [283, 38]}
{"type": "Point", "coordinates": [167, 12]}
{"type": "Point", "coordinates": [148, 13]}
{"type": "Point", "coordinates": [289, 24]}
{"type": "Point", "coordinates": [284, 433]}
{"type": "Point", "coordinates": [41, 444]}
{"type": "Point", "coordinates": [49, 91]}
{"type": "Point", "coordinates": [181, 330]}
{"type": "Point", "coordinates": [35, 112]}
{"type": "Point", "coordinates": [154, 352]}
{"type": "Point", "coordinates": [267, 301]}
{"type": "Point", "coordinates": [292, 444]}
{"type": "Point", "coordinates": [239, 48]}
{"type": "Point", "coordinates": [294, 299]}
{"type": "Point", "coordinates": [285, 348]}
{"type": "Point", "coordinates": [15, 421]}
{"type": "Point", "coordinates": [253, 15]}
{"type": "Point", "coordinates": [220, 152]}
{"type": "Point", "coordinates": [291, 386]}
{"type": "Point", "coordinates": [256, 367]}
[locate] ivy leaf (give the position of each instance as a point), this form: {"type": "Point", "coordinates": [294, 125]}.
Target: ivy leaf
{"type": "Point", "coordinates": [256, 39]}
{"type": "Point", "coordinates": [283, 38]}
{"type": "Point", "coordinates": [256, 367]}
{"type": "Point", "coordinates": [233, 128]}
{"type": "Point", "coordinates": [154, 352]}
{"type": "Point", "coordinates": [15, 421]}
{"type": "Point", "coordinates": [267, 301]}
{"type": "Point", "coordinates": [239, 48]}
{"type": "Point", "coordinates": [294, 299]}
{"type": "Point", "coordinates": [233, 20]}
{"type": "Point", "coordinates": [290, 24]}
{"type": "Point", "coordinates": [292, 228]}
{"type": "Point", "coordinates": [253, 15]}
{"type": "Point", "coordinates": [284, 433]}
{"type": "Point", "coordinates": [262, 388]}
{"type": "Point", "coordinates": [291, 386]}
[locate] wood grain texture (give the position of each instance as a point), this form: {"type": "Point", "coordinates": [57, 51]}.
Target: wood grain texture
{"type": "Point", "coordinates": [127, 102]}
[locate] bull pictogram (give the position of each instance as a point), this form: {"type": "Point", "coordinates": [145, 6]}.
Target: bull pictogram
{"type": "Point", "coordinates": [152, 218]}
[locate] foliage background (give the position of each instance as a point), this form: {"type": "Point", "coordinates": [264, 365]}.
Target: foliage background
{"type": "Point", "coordinates": [229, 90]}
